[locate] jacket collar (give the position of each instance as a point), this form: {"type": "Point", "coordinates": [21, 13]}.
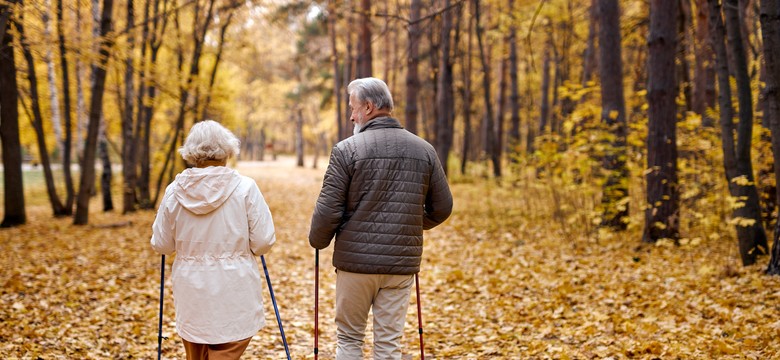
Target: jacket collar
{"type": "Point", "coordinates": [384, 122]}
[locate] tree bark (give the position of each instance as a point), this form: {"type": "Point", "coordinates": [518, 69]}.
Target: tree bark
{"type": "Point", "coordinates": [332, 17]}
{"type": "Point", "coordinates": [13, 194]}
{"type": "Point", "coordinates": [298, 118]}
{"type": "Point", "coordinates": [589, 62]}
{"type": "Point", "coordinates": [412, 61]}
{"type": "Point", "coordinates": [466, 72]}
{"type": "Point", "coordinates": [129, 139]}
{"type": "Point", "coordinates": [364, 58]}
{"type": "Point", "coordinates": [51, 75]}
{"type": "Point", "coordinates": [770, 34]}
{"type": "Point", "coordinates": [485, 84]}
{"type": "Point", "coordinates": [56, 205]}
{"type": "Point", "coordinates": [67, 149]}
{"type": "Point", "coordinates": [544, 111]}
{"type": "Point", "coordinates": [704, 69]}
{"type": "Point", "coordinates": [662, 215]}
{"type": "Point", "coordinates": [613, 115]}
{"type": "Point", "coordinates": [96, 104]}
{"type": "Point", "coordinates": [751, 236]}
{"type": "Point", "coordinates": [444, 93]}
{"type": "Point", "coordinates": [514, 92]}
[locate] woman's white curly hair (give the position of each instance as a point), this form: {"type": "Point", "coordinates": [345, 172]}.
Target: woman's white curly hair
{"type": "Point", "coordinates": [208, 140]}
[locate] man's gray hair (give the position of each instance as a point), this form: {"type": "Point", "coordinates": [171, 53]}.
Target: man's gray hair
{"type": "Point", "coordinates": [208, 140]}
{"type": "Point", "coordinates": [372, 90]}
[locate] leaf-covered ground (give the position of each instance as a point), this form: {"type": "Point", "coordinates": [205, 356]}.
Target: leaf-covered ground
{"type": "Point", "coordinates": [507, 277]}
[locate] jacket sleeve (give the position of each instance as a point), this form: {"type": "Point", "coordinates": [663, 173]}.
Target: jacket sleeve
{"type": "Point", "coordinates": [164, 229]}
{"type": "Point", "coordinates": [330, 206]}
{"type": "Point", "coordinates": [262, 234]}
{"type": "Point", "coordinates": [438, 200]}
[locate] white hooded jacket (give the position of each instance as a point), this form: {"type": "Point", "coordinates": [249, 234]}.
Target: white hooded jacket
{"type": "Point", "coordinates": [216, 221]}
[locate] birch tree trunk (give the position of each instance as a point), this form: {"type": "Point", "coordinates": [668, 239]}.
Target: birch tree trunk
{"type": "Point", "coordinates": [51, 75]}
{"type": "Point", "coordinates": [67, 148]}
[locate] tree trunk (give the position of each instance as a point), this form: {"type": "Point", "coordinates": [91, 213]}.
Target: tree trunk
{"type": "Point", "coordinates": [203, 113]}
{"type": "Point", "coordinates": [332, 17]}
{"type": "Point", "coordinates": [683, 69]}
{"type": "Point", "coordinates": [589, 62]}
{"type": "Point", "coordinates": [56, 205]}
{"type": "Point", "coordinates": [155, 42]}
{"type": "Point", "coordinates": [13, 194]}
{"type": "Point", "coordinates": [752, 237]}
{"type": "Point", "coordinates": [412, 61]}
{"type": "Point", "coordinates": [466, 72]}
{"type": "Point", "coordinates": [485, 83]}
{"type": "Point", "coordinates": [107, 175]}
{"type": "Point", "coordinates": [299, 136]}
{"type": "Point", "coordinates": [497, 125]}
{"type": "Point", "coordinates": [514, 92]}
{"type": "Point", "coordinates": [444, 93]}
{"type": "Point", "coordinates": [129, 139]}
{"type": "Point", "coordinates": [67, 148]}
{"type": "Point", "coordinates": [96, 104]}
{"type": "Point", "coordinates": [364, 61]}
{"type": "Point", "coordinates": [51, 75]}
{"type": "Point", "coordinates": [770, 34]}
{"type": "Point", "coordinates": [613, 115]}
{"type": "Point", "coordinates": [704, 70]}
{"type": "Point", "coordinates": [544, 111]}
{"type": "Point", "coordinates": [662, 215]}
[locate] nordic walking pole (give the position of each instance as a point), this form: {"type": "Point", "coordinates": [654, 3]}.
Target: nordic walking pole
{"type": "Point", "coordinates": [316, 302]}
{"type": "Point", "coordinates": [419, 317]}
{"type": "Point", "coordinates": [162, 294]}
{"type": "Point", "coordinates": [276, 309]}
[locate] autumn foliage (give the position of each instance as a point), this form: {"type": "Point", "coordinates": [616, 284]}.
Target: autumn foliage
{"type": "Point", "coordinates": [510, 275]}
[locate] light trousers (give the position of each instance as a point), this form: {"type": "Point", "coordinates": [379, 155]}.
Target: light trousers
{"type": "Point", "coordinates": [356, 294]}
{"type": "Point", "coordinates": [228, 351]}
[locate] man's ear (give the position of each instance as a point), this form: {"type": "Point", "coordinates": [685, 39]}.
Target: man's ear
{"type": "Point", "coordinates": [369, 107]}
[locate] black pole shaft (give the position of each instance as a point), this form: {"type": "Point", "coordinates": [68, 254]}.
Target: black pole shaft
{"type": "Point", "coordinates": [162, 294]}
{"type": "Point", "coordinates": [316, 302]}
{"type": "Point", "coordinates": [276, 309]}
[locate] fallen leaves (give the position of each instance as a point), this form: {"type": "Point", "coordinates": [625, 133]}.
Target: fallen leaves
{"type": "Point", "coordinates": [501, 279]}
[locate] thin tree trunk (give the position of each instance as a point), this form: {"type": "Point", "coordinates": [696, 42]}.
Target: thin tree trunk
{"type": "Point", "coordinates": [107, 175]}
{"type": "Point", "coordinates": [589, 63]}
{"type": "Point", "coordinates": [467, 131]}
{"type": "Point", "coordinates": [413, 59]}
{"type": "Point", "coordinates": [613, 115]}
{"type": "Point", "coordinates": [684, 72]}
{"type": "Point", "coordinates": [444, 95]}
{"type": "Point", "coordinates": [128, 134]}
{"type": "Point", "coordinates": [364, 58]}
{"type": "Point", "coordinates": [485, 83]}
{"type": "Point", "coordinates": [514, 92]}
{"type": "Point", "coordinates": [54, 101]}
{"type": "Point", "coordinates": [299, 136]}
{"type": "Point", "coordinates": [67, 148]}
{"type": "Point", "coordinates": [81, 106]}
{"type": "Point", "coordinates": [203, 114]}
{"type": "Point", "coordinates": [704, 70]}
{"type": "Point", "coordinates": [96, 104]}
{"type": "Point", "coordinates": [662, 215]}
{"type": "Point", "coordinates": [752, 237]}
{"type": "Point", "coordinates": [530, 136]}
{"type": "Point", "coordinates": [13, 194]}
{"type": "Point", "coordinates": [544, 110]}
{"type": "Point", "coordinates": [56, 205]}
{"type": "Point", "coordinates": [770, 34]}
{"type": "Point", "coordinates": [332, 17]}
{"type": "Point", "coordinates": [497, 127]}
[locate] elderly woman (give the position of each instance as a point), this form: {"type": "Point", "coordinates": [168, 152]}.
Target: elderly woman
{"type": "Point", "coordinates": [217, 222]}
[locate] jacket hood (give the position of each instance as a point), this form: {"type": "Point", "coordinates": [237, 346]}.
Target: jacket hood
{"type": "Point", "coordinates": [203, 190]}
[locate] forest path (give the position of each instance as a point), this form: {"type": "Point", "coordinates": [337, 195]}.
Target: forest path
{"type": "Point", "coordinates": [506, 277]}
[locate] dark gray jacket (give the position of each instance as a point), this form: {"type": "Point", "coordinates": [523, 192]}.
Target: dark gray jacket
{"type": "Point", "coordinates": [383, 186]}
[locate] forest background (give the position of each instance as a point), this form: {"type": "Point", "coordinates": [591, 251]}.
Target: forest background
{"type": "Point", "coordinates": [641, 126]}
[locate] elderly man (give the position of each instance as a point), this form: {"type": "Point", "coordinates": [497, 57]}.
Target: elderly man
{"type": "Point", "coordinates": [382, 188]}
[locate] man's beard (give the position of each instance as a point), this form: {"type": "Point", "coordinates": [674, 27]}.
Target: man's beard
{"type": "Point", "coordinates": [356, 129]}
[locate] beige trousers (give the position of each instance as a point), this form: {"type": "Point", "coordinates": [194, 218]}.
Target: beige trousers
{"type": "Point", "coordinates": [356, 294]}
{"type": "Point", "coordinates": [228, 351]}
